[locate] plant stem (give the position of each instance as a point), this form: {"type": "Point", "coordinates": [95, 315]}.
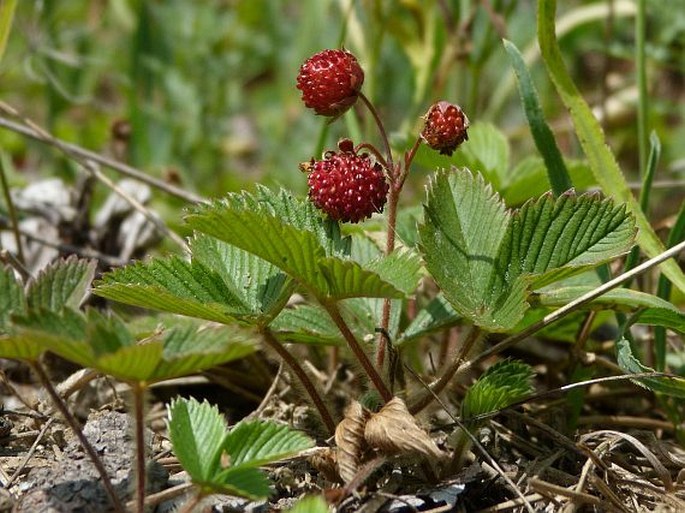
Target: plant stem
{"type": "Point", "coordinates": [381, 130]}
{"type": "Point", "coordinates": [138, 390]}
{"type": "Point", "coordinates": [74, 425]}
{"type": "Point", "coordinates": [295, 366]}
{"type": "Point", "coordinates": [381, 345]}
{"type": "Point", "coordinates": [356, 348]}
{"type": "Point", "coordinates": [439, 385]}
{"type": "Point", "coordinates": [393, 201]}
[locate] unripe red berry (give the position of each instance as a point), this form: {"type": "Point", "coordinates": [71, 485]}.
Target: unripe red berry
{"type": "Point", "coordinates": [347, 186]}
{"type": "Point", "coordinates": [330, 81]}
{"type": "Point", "coordinates": [445, 127]}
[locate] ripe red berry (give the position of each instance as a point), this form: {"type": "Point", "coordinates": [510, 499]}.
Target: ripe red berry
{"type": "Point", "coordinates": [330, 81]}
{"type": "Point", "coordinates": [445, 128]}
{"type": "Point", "coordinates": [347, 186]}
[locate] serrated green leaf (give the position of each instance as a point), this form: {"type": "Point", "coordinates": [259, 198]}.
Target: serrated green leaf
{"type": "Point", "coordinates": [407, 222]}
{"type": "Point", "coordinates": [36, 331]}
{"type": "Point", "coordinates": [505, 383]}
{"type": "Point", "coordinates": [291, 236]}
{"type": "Point", "coordinates": [311, 504]}
{"type": "Point", "coordinates": [197, 432]}
{"type": "Point", "coordinates": [189, 350]}
{"type": "Point", "coordinates": [301, 213]}
{"type": "Point", "coordinates": [12, 300]}
{"type": "Point", "coordinates": [133, 363]}
{"type": "Point", "coordinates": [289, 248]}
{"type": "Point", "coordinates": [306, 324]}
{"type": "Point", "coordinates": [674, 386]}
{"type": "Point", "coordinates": [253, 443]}
{"type": "Point", "coordinates": [261, 287]}
{"type": "Point", "coordinates": [486, 260]}
{"type": "Point", "coordinates": [401, 268]}
{"type": "Point", "coordinates": [436, 316]}
{"type": "Point", "coordinates": [63, 283]}
{"type": "Point", "coordinates": [346, 279]}
{"type": "Point", "coordinates": [173, 285]}
{"type": "Point", "coordinates": [591, 137]}
{"type": "Point", "coordinates": [464, 224]}
{"type": "Point", "coordinates": [551, 239]}
{"type": "Point", "coordinates": [246, 482]}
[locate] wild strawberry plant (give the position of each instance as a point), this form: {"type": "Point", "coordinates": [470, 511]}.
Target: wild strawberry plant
{"type": "Point", "coordinates": [468, 262]}
{"type": "Point", "coordinates": [492, 265]}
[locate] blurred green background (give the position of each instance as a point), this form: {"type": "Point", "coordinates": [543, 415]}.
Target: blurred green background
{"type": "Point", "coordinates": [202, 93]}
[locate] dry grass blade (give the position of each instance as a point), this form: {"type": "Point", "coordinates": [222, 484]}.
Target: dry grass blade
{"type": "Point", "coordinates": [81, 153]}
{"type": "Point", "coordinates": [615, 438]}
{"type": "Point", "coordinates": [552, 490]}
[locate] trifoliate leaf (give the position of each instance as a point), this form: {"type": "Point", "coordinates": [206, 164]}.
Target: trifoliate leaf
{"type": "Point", "coordinates": [463, 228]}
{"type": "Point", "coordinates": [486, 260]}
{"type": "Point", "coordinates": [551, 238]}
{"type": "Point", "coordinates": [505, 383]}
{"type": "Point", "coordinates": [104, 343]}
{"type": "Point", "coordinates": [261, 287]}
{"type": "Point", "coordinates": [190, 348]}
{"type": "Point", "coordinates": [251, 224]}
{"type": "Point", "coordinates": [346, 279]}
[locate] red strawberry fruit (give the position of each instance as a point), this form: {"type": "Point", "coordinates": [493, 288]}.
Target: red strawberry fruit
{"type": "Point", "coordinates": [445, 127]}
{"type": "Point", "coordinates": [347, 186]}
{"type": "Point", "coordinates": [330, 82]}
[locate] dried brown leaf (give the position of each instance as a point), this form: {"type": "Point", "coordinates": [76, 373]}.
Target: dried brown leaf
{"type": "Point", "coordinates": [349, 437]}
{"type": "Point", "coordinates": [393, 430]}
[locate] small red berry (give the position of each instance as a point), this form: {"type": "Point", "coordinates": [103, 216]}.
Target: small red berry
{"type": "Point", "coordinates": [347, 186]}
{"type": "Point", "coordinates": [445, 128]}
{"type": "Point", "coordinates": [330, 81]}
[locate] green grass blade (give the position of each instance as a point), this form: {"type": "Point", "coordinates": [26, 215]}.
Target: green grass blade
{"type": "Point", "coordinates": [542, 134]}
{"type": "Point", "coordinates": [645, 194]}
{"type": "Point", "coordinates": [591, 136]}
{"type": "Point", "coordinates": [7, 8]}
{"type": "Point", "coordinates": [676, 235]}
